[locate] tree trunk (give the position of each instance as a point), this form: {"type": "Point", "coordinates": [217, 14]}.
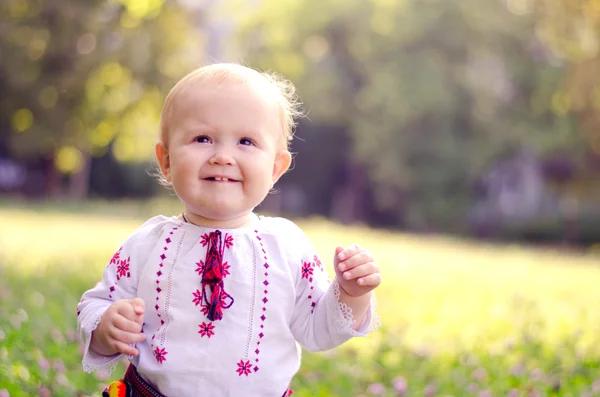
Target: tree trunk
{"type": "Point", "coordinates": [53, 180]}
{"type": "Point", "coordinates": [79, 182]}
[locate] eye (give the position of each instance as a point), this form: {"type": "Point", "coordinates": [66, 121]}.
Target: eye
{"type": "Point", "coordinates": [202, 139]}
{"type": "Point", "coordinates": [246, 142]}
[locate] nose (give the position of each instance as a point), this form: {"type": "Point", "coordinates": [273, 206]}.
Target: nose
{"type": "Point", "coordinates": [221, 156]}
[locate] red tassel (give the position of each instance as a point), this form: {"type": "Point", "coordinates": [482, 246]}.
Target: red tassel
{"type": "Point", "coordinates": [212, 277]}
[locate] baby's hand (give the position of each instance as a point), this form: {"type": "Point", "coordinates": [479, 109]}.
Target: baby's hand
{"type": "Point", "coordinates": [356, 270]}
{"type": "Point", "coordinates": [120, 326]}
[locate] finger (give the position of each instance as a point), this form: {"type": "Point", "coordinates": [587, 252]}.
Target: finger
{"type": "Point", "coordinates": [371, 280]}
{"type": "Point", "coordinates": [125, 309]}
{"type": "Point", "coordinates": [138, 305]}
{"type": "Point", "coordinates": [338, 249]}
{"type": "Point", "coordinates": [131, 310]}
{"type": "Point", "coordinates": [348, 252]}
{"type": "Point", "coordinates": [356, 260]}
{"type": "Point", "coordinates": [125, 324]}
{"type": "Point", "coordinates": [361, 271]}
{"type": "Point", "coordinates": [125, 348]}
{"type": "Point", "coordinates": [126, 337]}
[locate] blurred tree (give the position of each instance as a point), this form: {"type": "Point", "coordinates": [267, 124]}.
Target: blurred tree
{"type": "Point", "coordinates": [80, 78]}
{"type": "Point", "coordinates": [430, 91]}
{"type": "Point", "coordinates": [571, 28]}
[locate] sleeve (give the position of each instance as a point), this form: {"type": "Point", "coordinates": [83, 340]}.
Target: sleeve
{"type": "Point", "coordinates": [320, 321]}
{"type": "Point", "coordinates": [119, 281]}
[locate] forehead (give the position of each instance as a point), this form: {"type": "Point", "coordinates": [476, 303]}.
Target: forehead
{"type": "Point", "coordinates": [238, 105]}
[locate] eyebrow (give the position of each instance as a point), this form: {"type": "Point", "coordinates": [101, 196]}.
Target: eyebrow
{"type": "Point", "coordinates": [193, 126]}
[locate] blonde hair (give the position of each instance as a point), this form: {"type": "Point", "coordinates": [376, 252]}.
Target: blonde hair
{"type": "Point", "coordinates": [283, 91]}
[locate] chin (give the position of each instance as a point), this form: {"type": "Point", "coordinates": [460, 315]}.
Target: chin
{"type": "Point", "coordinates": [225, 215]}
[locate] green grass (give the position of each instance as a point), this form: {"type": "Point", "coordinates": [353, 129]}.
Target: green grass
{"type": "Point", "coordinates": [459, 318]}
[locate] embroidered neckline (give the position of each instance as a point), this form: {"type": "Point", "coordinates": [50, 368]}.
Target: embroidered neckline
{"type": "Point", "coordinates": [249, 227]}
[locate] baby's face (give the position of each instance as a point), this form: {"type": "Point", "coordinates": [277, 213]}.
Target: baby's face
{"type": "Point", "coordinates": [225, 150]}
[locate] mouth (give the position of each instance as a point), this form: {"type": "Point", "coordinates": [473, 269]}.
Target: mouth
{"type": "Point", "coordinates": [220, 179]}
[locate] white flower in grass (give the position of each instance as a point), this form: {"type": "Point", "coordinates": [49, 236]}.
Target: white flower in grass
{"type": "Point", "coordinates": [59, 366]}
{"type": "Point", "coordinates": [44, 392]}
{"type": "Point", "coordinates": [400, 385]}
{"type": "Point", "coordinates": [513, 393]}
{"type": "Point", "coordinates": [44, 364]}
{"type": "Point", "coordinates": [376, 389]}
{"type": "Point", "coordinates": [479, 374]}
{"type": "Point", "coordinates": [430, 391]}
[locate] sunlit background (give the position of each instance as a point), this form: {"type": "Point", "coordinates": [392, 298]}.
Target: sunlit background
{"type": "Point", "coordinates": [458, 140]}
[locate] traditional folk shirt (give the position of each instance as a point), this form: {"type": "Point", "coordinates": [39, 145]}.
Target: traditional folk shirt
{"type": "Point", "coordinates": [227, 310]}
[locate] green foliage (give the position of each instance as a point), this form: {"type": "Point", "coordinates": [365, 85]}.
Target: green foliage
{"type": "Point", "coordinates": [77, 78]}
{"type": "Point", "coordinates": [40, 349]}
{"type": "Point", "coordinates": [422, 94]}
{"type": "Point", "coordinates": [431, 92]}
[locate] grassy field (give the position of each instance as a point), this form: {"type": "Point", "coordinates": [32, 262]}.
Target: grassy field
{"type": "Point", "coordinates": [459, 318]}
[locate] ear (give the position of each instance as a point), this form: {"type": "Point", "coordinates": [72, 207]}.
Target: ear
{"type": "Point", "coordinates": [162, 157]}
{"type": "Point", "coordinates": [282, 164]}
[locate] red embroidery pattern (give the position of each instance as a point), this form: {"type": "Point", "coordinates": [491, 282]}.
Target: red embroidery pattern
{"type": "Point", "coordinates": [115, 258]}
{"type": "Point", "coordinates": [122, 270]}
{"type": "Point", "coordinates": [308, 269]}
{"type": "Point", "coordinates": [206, 329]}
{"type": "Point", "coordinates": [225, 269]}
{"type": "Point", "coordinates": [317, 261]}
{"type": "Point", "coordinates": [197, 297]}
{"type": "Point", "coordinates": [200, 267]}
{"type": "Point", "coordinates": [160, 352]}
{"type": "Point", "coordinates": [212, 297]}
{"type": "Point", "coordinates": [205, 239]}
{"type": "Point", "coordinates": [244, 367]}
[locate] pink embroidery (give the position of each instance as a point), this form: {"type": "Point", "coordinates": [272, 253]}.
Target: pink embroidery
{"type": "Point", "coordinates": [307, 273]}
{"type": "Point", "coordinates": [243, 368]}
{"type": "Point", "coordinates": [197, 297]}
{"type": "Point", "coordinates": [317, 261]}
{"type": "Point", "coordinates": [228, 241]}
{"type": "Point", "coordinates": [160, 354]}
{"type": "Point", "coordinates": [123, 269]}
{"type": "Point", "coordinates": [307, 270]}
{"type": "Point", "coordinates": [115, 258]}
{"type": "Point", "coordinates": [204, 239]}
{"type": "Point", "coordinates": [200, 267]}
{"type": "Point", "coordinates": [206, 329]}
{"type": "Point", "coordinates": [204, 310]}
{"type": "Point", "coordinates": [225, 269]}
{"type": "Point", "coordinates": [247, 368]}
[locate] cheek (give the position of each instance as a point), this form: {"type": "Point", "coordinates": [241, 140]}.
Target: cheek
{"type": "Point", "coordinates": [261, 177]}
{"type": "Point", "coordinates": [184, 164]}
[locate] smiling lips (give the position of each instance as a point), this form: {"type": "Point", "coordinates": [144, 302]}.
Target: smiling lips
{"type": "Point", "coordinates": [220, 179]}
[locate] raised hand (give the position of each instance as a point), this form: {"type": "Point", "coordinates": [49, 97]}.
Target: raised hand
{"type": "Point", "coordinates": [356, 270]}
{"type": "Point", "coordinates": [120, 327]}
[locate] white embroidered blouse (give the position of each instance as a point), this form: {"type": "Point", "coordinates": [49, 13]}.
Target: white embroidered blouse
{"type": "Point", "coordinates": [225, 309]}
